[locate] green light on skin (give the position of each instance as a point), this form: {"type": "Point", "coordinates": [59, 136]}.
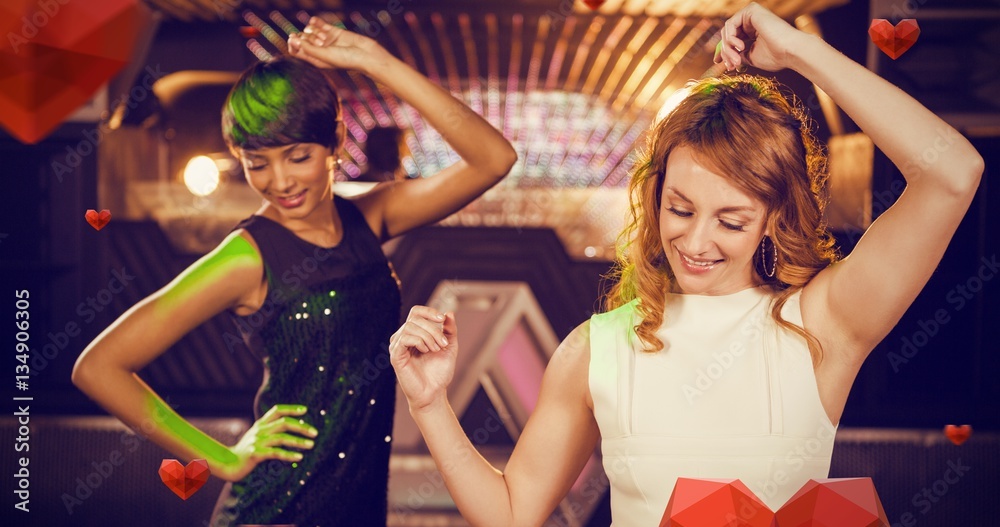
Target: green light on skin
{"type": "Point", "coordinates": [206, 447]}
{"type": "Point", "coordinates": [233, 254]}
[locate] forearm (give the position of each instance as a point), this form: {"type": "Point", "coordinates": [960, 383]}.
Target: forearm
{"type": "Point", "coordinates": [473, 138]}
{"type": "Point", "coordinates": [125, 396]}
{"type": "Point", "coordinates": [926, 149]}
{"type": "Point", "coordinates": [479, 489]}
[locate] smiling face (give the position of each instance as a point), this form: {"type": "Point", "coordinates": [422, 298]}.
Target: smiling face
{"type": "Point", "coordinates": [294, 178]}
{"type": "Point", "coordinates": [709, 228]}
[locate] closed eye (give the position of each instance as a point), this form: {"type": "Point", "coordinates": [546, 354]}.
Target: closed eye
{"type": "Point", "coordinates": [681, 213]}
{"type": "Point", "coordinates": [732, 227]}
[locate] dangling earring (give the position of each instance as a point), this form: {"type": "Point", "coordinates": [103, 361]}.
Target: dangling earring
{"type": "Point", "coordinates": [763, 257]}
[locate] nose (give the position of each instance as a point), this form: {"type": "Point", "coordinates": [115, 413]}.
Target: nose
{"type": "Point", "coordinates": [281, 180]}
{"type": "Point", "coordinates": [697, 240]}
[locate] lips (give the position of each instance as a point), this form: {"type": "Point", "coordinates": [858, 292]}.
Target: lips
{"type": "Point", "coordinates": [291, 201]}
{"type": "Point", "coordinates": [695, 265]}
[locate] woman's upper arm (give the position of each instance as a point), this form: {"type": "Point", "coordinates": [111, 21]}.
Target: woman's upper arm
{"type": "Point", "coordinates": [219, 280]}
{"type": "Point", "coordinates": [560, 435]}
{"type": "Point", "coordinates": [862, 297]}
{"type": "Point", "coordinates": [401, 206]}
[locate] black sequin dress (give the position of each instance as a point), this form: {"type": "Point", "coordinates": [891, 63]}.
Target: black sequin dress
{"type": "Point", "coordinates": [323, 334]}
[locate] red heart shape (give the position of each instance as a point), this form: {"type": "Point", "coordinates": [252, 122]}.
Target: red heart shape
{"type": "Point", "coordinates": [54, 56]}
{"type": "Point", "coordinates": [184, 481]}
{"type": "Point", "coordinates": [844, 502]}
{"type": "Point", "coordinates": [958, 434]}
{"type": "Point", "coordinates": [894, 41]}
{"type": "Point", "coordinates": [98, 221]}
{"type": "Point", "coordinates": [594, 5]}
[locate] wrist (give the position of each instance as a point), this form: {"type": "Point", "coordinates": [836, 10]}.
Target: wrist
{"type": "Point", "coordinates": [438, 406]}
{"type": "Point", "coordinates": [378, 63]}
{"type": "Point", "coordinates": [802, 51]}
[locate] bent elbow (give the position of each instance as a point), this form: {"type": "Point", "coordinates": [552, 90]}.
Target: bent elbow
{"type": "Point", "coordinates": [504, 162]}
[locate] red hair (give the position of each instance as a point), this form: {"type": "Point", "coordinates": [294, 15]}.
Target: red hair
{"type": "Point", "coordinates": [743, 128]}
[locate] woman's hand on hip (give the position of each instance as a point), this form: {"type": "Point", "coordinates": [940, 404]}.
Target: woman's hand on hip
{"type": "Point", "coordinates": [269, 438]}
{"type": "Point", "coordinates": [423, 353]}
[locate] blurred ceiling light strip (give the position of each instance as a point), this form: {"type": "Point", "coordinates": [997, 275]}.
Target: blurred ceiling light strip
{"type": "Point", "coordinates": [628, 58]}
{"type": "Point", "coordinates": [599, 67]}
{"type": "Point", "coordinates": [642, 73]}
{"type": "Point", "coordinates": [513, 98]}
{"type": "Point", "coordinates": [537, 102]}
{"type": "Point", "coordinates": [450, 64]}
{"type": "Point", "coordinates": [493, 72]}
{"type": "Point", "coordinates": [472, 58]}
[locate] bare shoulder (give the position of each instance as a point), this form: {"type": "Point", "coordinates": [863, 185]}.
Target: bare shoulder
{"type": "Point", "coordinates": [569, 366]}
{"type": "Point", "coordinates": [820, 320]}
{"type": "Point", "coordinates": [372, 206]}
{"type": "Point", "coordinates": [234, 268]}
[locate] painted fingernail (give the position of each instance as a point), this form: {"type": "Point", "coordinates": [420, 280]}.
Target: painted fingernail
{"type": "Point", "coordinates": [439, 316]}
{"type": "Point", "coordinates": [444, 341]}
{"type": "Point", "coordinates": [309, 444]}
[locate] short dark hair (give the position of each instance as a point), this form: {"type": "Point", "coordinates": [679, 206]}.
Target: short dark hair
{"type": "Point", "coordinates": [282, 101]}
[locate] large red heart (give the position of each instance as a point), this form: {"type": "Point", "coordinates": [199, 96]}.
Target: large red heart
{"type": "Point", "coordinates": [894, 41]}
{"type": "Point", "coordinates": [958, 434]}
{"type": "Point", "coordinates": [55, 54]}
{"type": "Point", "coordinates": [184, 481]}
{"type": "Point", "coordinates": [594, 5]}
{"type": "Point", "coordinates": [98, 221]}
{"type": "Point", "coordinates": [844, 502]}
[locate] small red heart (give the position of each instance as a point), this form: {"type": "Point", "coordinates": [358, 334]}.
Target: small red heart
{"type": "Point", "coordinates": [894, 41]}
{"type": "Point", "coordinates": [594, 5]}
{"type": "Point", "coordinates": [184, 481]}
{"type": "Point", "coordinates": [98, 221]}
{"type": "Point", "coordinates": [958, 434]}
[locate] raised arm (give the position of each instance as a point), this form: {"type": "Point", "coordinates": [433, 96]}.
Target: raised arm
{"type": "Point", "coordinates": [486, 156]}
{"type": "Point", "coordinates": [106, 370]}
{"type": "Point", "coordinates": [553, 448]}
{"type": "Point", "coordinates": [866, 294]}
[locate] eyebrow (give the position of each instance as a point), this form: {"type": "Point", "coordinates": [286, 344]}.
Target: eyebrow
{"type": "Point", "coordinates": [723, 209]}
{"type": "Point", "coordinates": [283, 151]}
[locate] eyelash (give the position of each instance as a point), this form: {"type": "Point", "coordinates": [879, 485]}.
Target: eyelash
{"type": "Point", "coordinates": [729, 226]}
{"type": "Point", "coordinates": [302, 159]}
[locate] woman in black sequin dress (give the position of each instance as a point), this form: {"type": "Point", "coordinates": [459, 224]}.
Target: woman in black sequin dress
{"type": "Point", "coordinates": [307, 285]}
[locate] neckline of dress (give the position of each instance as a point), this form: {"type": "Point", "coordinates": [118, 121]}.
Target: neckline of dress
{"type": "Point", "coordinates": [336, 210]}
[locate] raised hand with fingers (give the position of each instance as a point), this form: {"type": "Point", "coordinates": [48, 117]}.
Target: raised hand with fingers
{"type": "Point", "coordinates": [266, 438]}
{"type": "Point", "coordinates": [423, 353]}
{"type": "Point", "coordinates": [327, 46]}
{"type": "Point", "coordinates": [756, 37]}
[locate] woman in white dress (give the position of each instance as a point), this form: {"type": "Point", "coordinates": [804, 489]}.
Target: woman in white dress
{"type": "Point", "coordinates": [734, 334]}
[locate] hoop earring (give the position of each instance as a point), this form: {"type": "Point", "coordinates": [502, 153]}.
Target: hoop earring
{"type": "Point", "coordinates": [763, 257]}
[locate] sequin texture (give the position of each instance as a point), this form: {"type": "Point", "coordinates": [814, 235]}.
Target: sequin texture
{"type": "Point", "coordinates": [333, 362]}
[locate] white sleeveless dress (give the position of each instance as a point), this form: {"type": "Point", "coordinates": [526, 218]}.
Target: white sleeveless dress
{"type": "Point", "coordinates": [731, 396]}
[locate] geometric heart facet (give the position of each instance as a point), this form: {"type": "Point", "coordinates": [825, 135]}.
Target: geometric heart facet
{"type": "Point", "coordinates": [894, 41]}
{"type": "Point", "coordinates": [697, 502]}
{"type": "Point", "coordinates": [55, 55]}
{"type": "Point", "coordinates": [836, 502]}
{"type": "Point", "coordinates": [594, 5]}
{"type": "Point", "coordinates": [958, 434]}
{"type": "Point", "coordinates": [98, 221]}
{"type": "Point", "coordinates": [845, 502]}
{"type": "Point", "coordinates": [184, 481]}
